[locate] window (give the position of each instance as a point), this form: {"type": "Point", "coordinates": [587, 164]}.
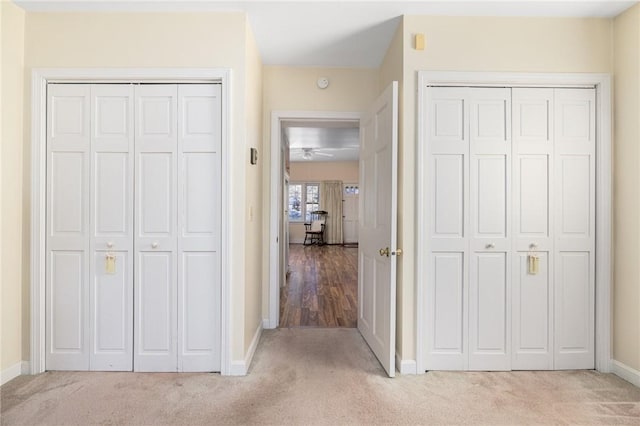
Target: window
{"type": "Point", "coordinates": [303, 199]}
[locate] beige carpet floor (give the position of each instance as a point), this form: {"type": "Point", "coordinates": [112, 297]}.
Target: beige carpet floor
{"type": "Point", "coordinates": [319, 376]}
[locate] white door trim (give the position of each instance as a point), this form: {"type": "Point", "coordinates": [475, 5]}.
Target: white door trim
{"type": "Point", "coordinates": [604, 255]}
{"type": "Point", "coordinates": [274, 195]}
{"type": "Point", "coordinates": [39, 79]}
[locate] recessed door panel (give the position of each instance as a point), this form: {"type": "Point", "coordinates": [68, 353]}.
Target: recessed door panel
{"type": "Point", "coordinates": [202, 195]}
{"type": "Point", "coordinates": [67, 314]}
{"type": "Point", "coordinates": [532, 313]}
{"type": "Point", "coordinates": [156, 312]}
{"type": "Point", "coordinates": [491, 195]}
{"type": "Point", "coordinates": [200, 117]}
{"type": "Point", "coordinates": [112, 194]}
{"type": "Point", "coordinates": [67, 194]}
{"type": "Point", "coordinates": [156, 198]}
{"type": "Point", "coordinates": [575, 192]}
{"type": "Point", "coordinates": [448, 190]}
{"type": "Point", "coordinates": [201, 323]}
{"type": "Point", "coordinates": [448, 119]}
{"type": "Point", "coordinates": [448, 302]}
{"type": "Point", "coordinates": [489, 117]}
{"type": "Point", "coordinates": [67, 302]}
{"type": "Point", "coordinates": [489, 312]}
{"type": "Point", "coordinates": [574, 339]}
{"type": "Point", "coordinates": [112, 303]}
{"type": "Point", "coordinates": [533, 196]}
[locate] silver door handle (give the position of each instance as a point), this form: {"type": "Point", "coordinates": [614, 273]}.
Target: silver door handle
{"type": "Point", "coordinates": [154, 244]}
{"type": "Point", "coordinates": [490, 246]}
{"type": "Point", "coordinates": [110, 244]}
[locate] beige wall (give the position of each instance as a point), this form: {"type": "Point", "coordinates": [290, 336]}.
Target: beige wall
{"type": "Point", "coordinates": [253, 103]}
{"type": "Point", "coordinates": [626, 300]}
{"type": "Point", "coordinates": [12, 25]}
{"type": "Point", "coordinates": [294, 89]}
{"type": "Point", "coordinates": [481, 44]}
{"type": "Point", "coordinates": [186, 40]}
{"type": "Point", "coordinates": [346, 171]}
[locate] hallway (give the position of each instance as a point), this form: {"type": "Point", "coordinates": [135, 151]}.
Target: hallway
{"type": "Point", "coordinates": [321, 288]}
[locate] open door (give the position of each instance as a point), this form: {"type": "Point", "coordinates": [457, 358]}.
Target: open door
{"type": "Point", "coordinates": [377, 227]}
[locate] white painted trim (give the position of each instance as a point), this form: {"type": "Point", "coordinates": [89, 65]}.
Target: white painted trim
{"type": "Point", "coordinates": [10, 373]}
{"type": "Point", "coordinates": [405, 366]}
{"type": "Point", "coordinates": [40, 78]}
{"type": "Point", "coordinates": [274, 194]}
{"type": "Point", "coordinates": [241, 367]}
{"type": "Point", "coordinates": [625, 372]}
{"type": "Point", "coordinates": [604, 249]}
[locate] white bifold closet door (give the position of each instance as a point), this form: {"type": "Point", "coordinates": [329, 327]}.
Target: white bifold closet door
{"type": "Point", "coordinates": [498, 193]}
{"type": "Point", "coordinates": [133, 213]}
{"type": "Point", "coordinates": [178, 174]}
{"type": "Point", "coordinates": [89, 313]}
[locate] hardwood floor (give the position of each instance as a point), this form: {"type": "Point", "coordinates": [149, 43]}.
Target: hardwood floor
{"type": "Point", "coordinates": [321, 288]}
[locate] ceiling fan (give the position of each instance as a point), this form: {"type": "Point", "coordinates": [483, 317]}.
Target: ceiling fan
{"type": "Point", "coordinates": [309, 153]}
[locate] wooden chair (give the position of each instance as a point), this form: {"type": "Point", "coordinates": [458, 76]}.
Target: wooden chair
{"type": "Point", "coordinates": [314, 230]}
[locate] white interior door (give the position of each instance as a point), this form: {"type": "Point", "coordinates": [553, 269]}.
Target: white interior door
{"type": "Point", "coordinates": [156, 228]}
{"type": "Point", "coordinates": [67, 247]}
{"type": "Point", "coordinates": [350, 212]}
{"type": "Point", "coordinates": [111, 192]}
{"type": "Point", "coordinates": [199, 239]}
{"type": "Point", "coordinates": [378, 227]}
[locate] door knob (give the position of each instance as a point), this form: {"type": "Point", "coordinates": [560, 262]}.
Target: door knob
{"type": "Point", "coordinates": [154, 244]}
{"type": "Point", "coordinates": [110, 244]}
{"type": "Point", "coordinates": [398, 252]}
{"type": "Point", "coordinates": [384, 252]}
{"type": "Point", "coordinates": [490, 246]}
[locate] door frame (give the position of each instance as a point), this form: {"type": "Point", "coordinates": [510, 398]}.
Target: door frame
{"type": "Point", "coordinates": [604, 255]}
{"type": "Point", "coordinates": [275, 195]}
{"type": "Point", "coordinates": [40, 77]}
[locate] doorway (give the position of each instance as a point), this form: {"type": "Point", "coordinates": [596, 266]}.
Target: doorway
{"type": "Point", "coordinates": [377, 255]}
{"type": "Point", "coordinates": [320, 169]}
{"type": "Point", "coordinates": [280, 182]}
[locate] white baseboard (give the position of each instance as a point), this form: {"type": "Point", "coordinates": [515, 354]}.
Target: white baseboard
{"type": "Point", "coordinates": [631, 375]}
{"type": "Point", "coordinates": [241, 367]}
{"type": "Point", "coordinates": [8, 374]}
{"type": "Point", "coordinates": [265, 324]}
{"type": "Point", "coordinates": [406, 366]}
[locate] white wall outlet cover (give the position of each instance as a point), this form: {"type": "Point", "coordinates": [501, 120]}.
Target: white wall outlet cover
{"type": "Point", "coordinates": [323, 82]}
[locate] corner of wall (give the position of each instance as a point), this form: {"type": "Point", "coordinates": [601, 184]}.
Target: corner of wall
{"type": "Point", "coordinates": [11, 159]}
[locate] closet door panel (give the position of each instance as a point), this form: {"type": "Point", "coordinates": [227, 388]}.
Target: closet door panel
{"type": "Point", "coordinates": [490, 234]}
{"type": "Point", "coordinates": [533, 218]}
{"type": "Point", "coordinates": [112, 227]}
{"type": "Point", "coordinates": [447, 135]}
{"type": "Point", "coordinates": [574, 330]}
{"type": "Point", "coordinates": [199, 241]}
{"type": "Point", "coordinates": [156, 146]}
{"type": "Point", "coordinates": [67, 242]}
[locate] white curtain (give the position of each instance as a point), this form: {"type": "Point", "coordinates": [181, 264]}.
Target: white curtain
{"type": "Point", "coordinates": [331, 202]}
